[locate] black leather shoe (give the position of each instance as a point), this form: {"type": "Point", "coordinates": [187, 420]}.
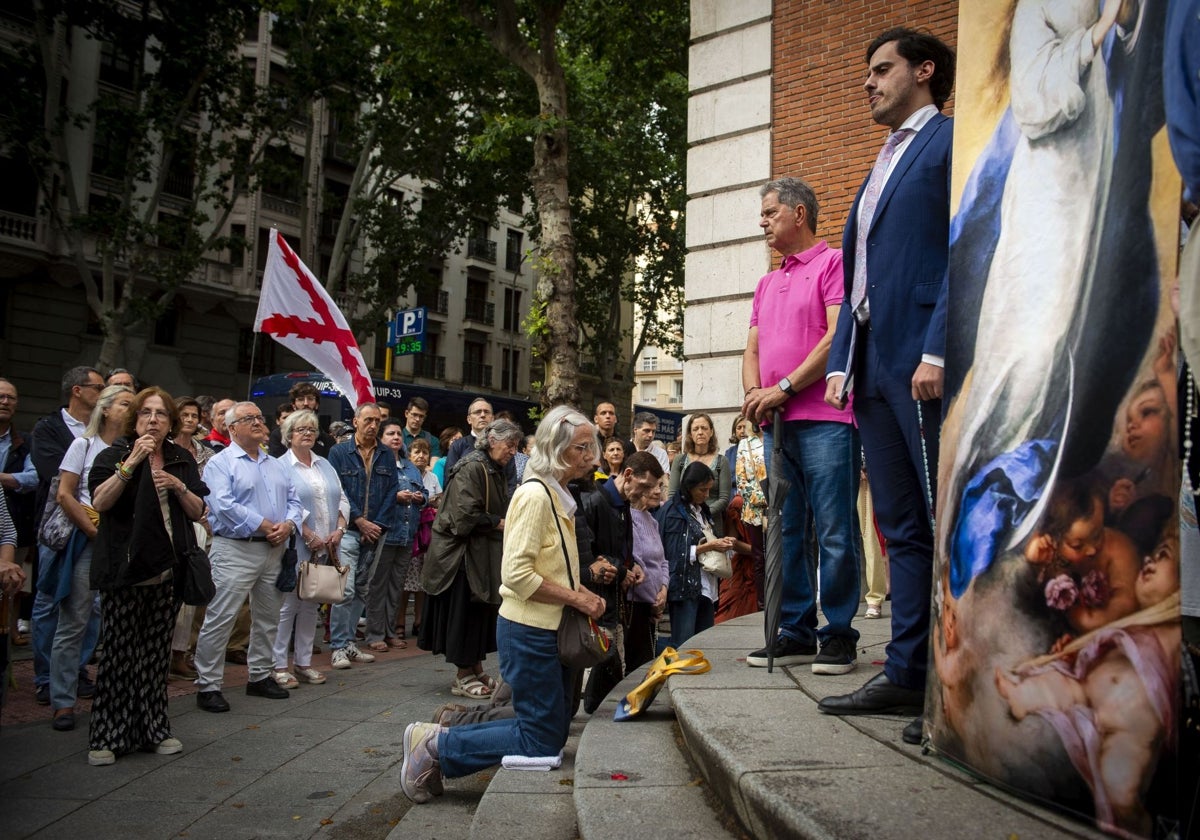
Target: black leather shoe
{"type": "Point", "coordinates": [64, 722]}
{"type": "Point", "coordinates": [267, 687]}
{"type": "Point", "coordinates": [878, 696]}
{"type": "Point", "coordinates": [913, 733]}
{"type": "Point", "coordinates": [212, 701]}
{"type": "Point", "coordinates": [85, 688]}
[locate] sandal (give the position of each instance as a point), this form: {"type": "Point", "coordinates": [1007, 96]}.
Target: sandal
{"type": "Point", "coordinates": [487, 681]}
{"type": "Point", "coordinates": [399, 633]}
{"type": "Point", "coordinates": [378, 647]}
{"type": "Point", "coordinates": [470, 686]}
{"type": "Point", "coordinates": [397, 642]}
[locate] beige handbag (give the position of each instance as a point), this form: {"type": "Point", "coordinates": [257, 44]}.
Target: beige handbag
{"type": "Point", "coordinates": [321, 583]}
{"type": "Point", "coordinates": [716, 562]}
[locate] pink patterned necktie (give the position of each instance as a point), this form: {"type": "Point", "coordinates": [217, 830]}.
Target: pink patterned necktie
{"type": "Point", "coordinates": [858, 292]}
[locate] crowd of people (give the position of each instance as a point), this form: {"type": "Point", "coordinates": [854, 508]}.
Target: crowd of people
{"type": "Point", "coordinates": [138, 480]}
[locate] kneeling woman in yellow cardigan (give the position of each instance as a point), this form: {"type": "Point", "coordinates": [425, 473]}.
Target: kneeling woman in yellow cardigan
{"type": "Point", "coordinates": [539, 542]}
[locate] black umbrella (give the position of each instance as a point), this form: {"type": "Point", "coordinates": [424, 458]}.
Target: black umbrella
{"type": "Point", "coordinates": [777, 488]}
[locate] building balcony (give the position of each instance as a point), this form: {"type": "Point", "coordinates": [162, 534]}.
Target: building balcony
{"type": "Point", "coordinates": [25, 230]}
{"type": "Point", "coordinates": [179, 184]}
{"type": "Point", "coordinates": [283, 206]}
{"type": "Point", "coordinates": [437, 301]}
{"type": "Point", "coordinates": [477, 374]}
{"type": "Point", "coordinates": [429, 366]}
{"type": "Point", "coordinates": [339, 149]}
{"type": "Point", "coordinates": [482, 249]}
{"type": "Point", "coordinates": [481, 310]}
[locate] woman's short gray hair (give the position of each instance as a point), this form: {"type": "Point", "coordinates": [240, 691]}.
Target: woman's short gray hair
{"type": "Point", "coordinates": [499, 431]}
{"type": "Point", "coordinates": [289, 424]}
{"type": "Point", "coordinates": [553, 438]}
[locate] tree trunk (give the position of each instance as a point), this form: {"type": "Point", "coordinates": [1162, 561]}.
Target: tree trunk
{"type": "Point", "coordinates": [559, 346]}
{"type": "Point", "coordinates": [556, 285]}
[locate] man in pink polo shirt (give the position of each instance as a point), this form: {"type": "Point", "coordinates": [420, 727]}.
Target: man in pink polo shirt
{"type": "Point", "coordinates": [783, 369]}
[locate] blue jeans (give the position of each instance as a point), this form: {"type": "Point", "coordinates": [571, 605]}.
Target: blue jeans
{"type": "Point", "coordinates": [689, 617]}
{"type": "Point", "coordinates": [821, 460]}
{"type": "Point", "coordinates": [542, 691]}
{"type": "Point", "coordinates": [44, 624]}
{"type": "Point", "coordinates": [343, 617]}
{"type": "Point", "coordinates": [75, 612]}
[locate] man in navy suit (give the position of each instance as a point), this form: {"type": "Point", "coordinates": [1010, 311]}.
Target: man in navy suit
{"type": "Point", "coordinates": [891, 338]}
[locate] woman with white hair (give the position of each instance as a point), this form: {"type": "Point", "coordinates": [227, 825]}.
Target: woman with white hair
{"type": "Point", "coordinates": [540, 561]}
{"type": "Point", "coordinates": [462, 568]}
{"type": "Point", "coordinates": [327, 508]}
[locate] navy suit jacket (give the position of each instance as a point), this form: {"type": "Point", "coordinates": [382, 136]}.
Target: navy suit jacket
{"type": "Point", "coordinates": [909, 246]}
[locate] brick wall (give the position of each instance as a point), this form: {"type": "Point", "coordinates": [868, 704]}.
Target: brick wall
{"type": "Point", "coordinates": [822, 129]}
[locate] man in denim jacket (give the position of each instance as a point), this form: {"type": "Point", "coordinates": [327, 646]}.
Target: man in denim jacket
{"type": "Point", "coordinates": [368, 474]}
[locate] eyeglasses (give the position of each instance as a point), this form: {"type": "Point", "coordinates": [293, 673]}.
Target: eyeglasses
{"type": "Point", "coordinates": [585, 447]}
{"type": "Point", "coordinates": [253, 418]}
{"type": "Point", "coordinates": [153, 412]}
{"type": "Point", "coordinates": [7, 398]}
{"type": "Point", "coordinates": [99, 386]}
{"type": "Point", "coordinates": [307, 430]}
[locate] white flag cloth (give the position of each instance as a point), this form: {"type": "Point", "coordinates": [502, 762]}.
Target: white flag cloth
{"type": "Point", "coordinates": [295, 310]}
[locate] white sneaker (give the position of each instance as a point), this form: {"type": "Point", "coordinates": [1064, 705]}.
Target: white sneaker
{"type": "Point", "coordinates": [23, 626]}
{"type": "Point", "coordinates": [100, 758]}
{"type": "Point", "coordinates": [169, 746]}
{"type": "Point", "coordinates": [340, 660]}
{"type": "Point", "coordinates": [357, 655]}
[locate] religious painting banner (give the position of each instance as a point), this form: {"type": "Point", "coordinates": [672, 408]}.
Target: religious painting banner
{"type": "Point", "coordinates": [1056, 629]}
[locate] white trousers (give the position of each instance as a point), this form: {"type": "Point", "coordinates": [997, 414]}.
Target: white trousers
{"type": "Point", "coordinates": [240, 568]}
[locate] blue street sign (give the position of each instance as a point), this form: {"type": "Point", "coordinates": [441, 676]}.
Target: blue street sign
{"type": "Point", "coordinates": [406, 333]}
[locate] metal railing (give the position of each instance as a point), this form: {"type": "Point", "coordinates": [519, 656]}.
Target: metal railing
{"type": "Point", "coordinates": [477, 374]}
{"type": "Point", "coordinates": [482, 249]}
{"type": "Point", "coordinates": [481, 310]}
{"type": "Point", "coordinates": [429, 366]}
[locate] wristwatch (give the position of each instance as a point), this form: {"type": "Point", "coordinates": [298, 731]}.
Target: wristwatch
{"type": "Point", "coordinates": [785, 385]}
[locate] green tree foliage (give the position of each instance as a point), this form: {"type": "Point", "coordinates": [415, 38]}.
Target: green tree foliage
{"type": "Point", "coordinates": [607, 130]}
{"type": "Point", "coordinates": [407, 86]}
{"type": "Point", "coordinates": [178, 130]}
{"type": "Point", "coordinates": [628, 76]}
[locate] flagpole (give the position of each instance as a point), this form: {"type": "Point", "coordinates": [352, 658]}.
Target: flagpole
{"type": "Point", "coordinates": [253, 347]}
{"type": "Point", "coordinates": [254, 340]}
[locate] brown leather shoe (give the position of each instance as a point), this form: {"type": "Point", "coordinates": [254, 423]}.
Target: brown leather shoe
{"type": "Point", "coordinates": [181, 669]}
{"type": "Point", "coordinates": [235, 657]}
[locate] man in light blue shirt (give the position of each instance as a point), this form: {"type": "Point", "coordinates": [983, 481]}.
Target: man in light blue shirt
{"type": "Point", "coordinates": [254, 511]}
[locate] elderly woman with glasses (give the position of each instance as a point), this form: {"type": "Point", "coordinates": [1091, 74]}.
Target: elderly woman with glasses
{"type": "Point", "coordinates": [324, 500]}
{"type": "Point", "coordinates": [541, 560]}
{"type": "Point", "coordinates": [148, 493]}
{"type": "Point", "coordinates": [462, 569]}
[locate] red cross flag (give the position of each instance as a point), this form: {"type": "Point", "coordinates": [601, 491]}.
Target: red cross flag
{"type": "Point", "coordinates": [295, 310]}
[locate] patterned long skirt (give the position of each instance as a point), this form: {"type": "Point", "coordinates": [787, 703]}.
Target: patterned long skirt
{"type": "Point", "coordinates": [130, 710]}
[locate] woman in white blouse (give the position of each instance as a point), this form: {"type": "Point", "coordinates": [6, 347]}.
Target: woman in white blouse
{"type": "Point", "coordinates": [326, 508]}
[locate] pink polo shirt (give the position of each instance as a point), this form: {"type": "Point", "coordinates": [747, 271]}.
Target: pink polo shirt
{"type": "Point", "coordinates": [789, 311]}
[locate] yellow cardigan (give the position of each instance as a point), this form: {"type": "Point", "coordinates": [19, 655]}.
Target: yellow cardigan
{"type": "Point", "coordinates": [533, 553]}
